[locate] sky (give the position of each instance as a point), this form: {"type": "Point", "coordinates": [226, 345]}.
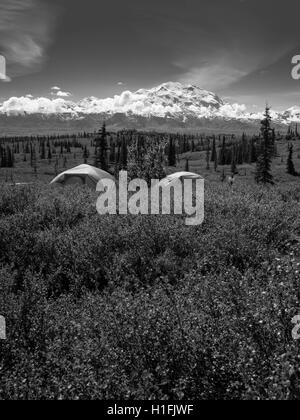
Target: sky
{"type": "Point", "coordinates": [239, 49]}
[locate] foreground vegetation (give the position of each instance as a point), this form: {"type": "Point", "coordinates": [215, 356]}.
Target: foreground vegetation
{"type": "Point", "coordinates": [145, 307]}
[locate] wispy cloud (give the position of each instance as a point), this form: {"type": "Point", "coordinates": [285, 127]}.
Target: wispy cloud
{"type": "Point", "coordinates": [212, 76]}
{"type": "Point", "coordinates": [62, 94]}
{"type": "Point", "coordinates": [219, 68]}
{"type": "Point", "coordinates": [57, 91]}
{"type": "Point", "coordinates": [26, 28]}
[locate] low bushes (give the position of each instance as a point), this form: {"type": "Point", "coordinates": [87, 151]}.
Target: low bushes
{"type": "Point", "coordinates": [145, 307]}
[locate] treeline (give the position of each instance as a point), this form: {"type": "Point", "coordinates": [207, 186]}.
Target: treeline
{"type": "Point", "coordinates": [6, 157]}
{"type": "Point", "coordinates": [53, 137]}
{"type": "Point", "coordinates": [293, 133]}
{"type": "Point", "coordinates": [146, 153]}
{"type": "Point", "coordinates": [222, 150]}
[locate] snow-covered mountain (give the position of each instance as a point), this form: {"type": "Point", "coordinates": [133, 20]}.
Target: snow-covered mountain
{"type": "Point", "coordinates": [170, 104]}
{"type": "Point", "coordinates": [167, 100]}
{"type": "Point", "coordinates": [290, 115]}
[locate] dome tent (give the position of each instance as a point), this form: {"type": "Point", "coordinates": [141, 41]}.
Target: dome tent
{"type": "Point", "coordinates": [82, 175]}
{"type": "Point", "coordinates": [178, 175]}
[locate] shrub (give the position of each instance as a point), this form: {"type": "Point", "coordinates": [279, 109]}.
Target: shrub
{"type": "Point", "coordinates": [145, 307]}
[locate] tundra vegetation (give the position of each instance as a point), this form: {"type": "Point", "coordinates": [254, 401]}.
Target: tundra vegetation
{"type": "Point", "coordinates": [144, 307]}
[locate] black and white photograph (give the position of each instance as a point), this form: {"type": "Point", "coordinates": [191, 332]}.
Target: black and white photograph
{"type": "Point", "coordinates": [149, 203]}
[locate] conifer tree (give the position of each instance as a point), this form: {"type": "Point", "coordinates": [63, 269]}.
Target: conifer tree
{"type": "Point", "coordinates": [193, 147]}
{"type": "Point", "coordinates": [101, 149]}
{"type": "Point", "coordinates": [290, 164]}
{"type": "Point", "coordinates": [253, 151]}
{"type": "Point", "coordinates": [49, 155]}
{"type": "Point", "coordinates": [233, 161]}
{"type": "Point", "coordinates": [214, 151]}
{"type": "Point", "coordinates": [187, 165]}
{"type": "Point", "coordinates": [123, 154]}
{"type": "Point", "coordinates": [43, 151]}
{"type": "Point", "coordinates": [34, 161]}
{"type": "Point", "coordinates": [172, 153]}
{"type": "Point", "coordinates": [85, 155]}
{"type": "Point", "coordinates": [207, 155]}
{"type": "Point", "coordinates": [223, 176]}
{"type": "Point", "coordinates": [263, 169]}
{"type": "Point", "coordinates": [216, 164]}
{"type": "Point", "coordinates": [112, 153]}
{"type": "Point", "coordinates": [233, 165]}
{"type": "Point", "coordinates": [222, 158]}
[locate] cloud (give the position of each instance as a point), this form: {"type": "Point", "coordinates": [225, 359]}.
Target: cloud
{"type": "Point", "coordinates": [214, 76]}
{"type": "Point", "coordinates": [26, 28]}
{"type": "Point", "coordinates": [154, 102]}
{"type": "Point", "coordinates": [219, 70]}
{"type": "Point", "coordinates": [62, 94]}
{"type": "Point", "coordinates": [29, 105]}
{"type": "Point", "coordinates": [57, 91]}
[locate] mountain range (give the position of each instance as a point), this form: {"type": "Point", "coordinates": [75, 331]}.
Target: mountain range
{"type": "Point", "coordinates": [170, 106]}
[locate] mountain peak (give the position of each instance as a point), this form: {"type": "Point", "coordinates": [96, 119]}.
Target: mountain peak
{"type": "Point", "coordinates": [170, 100]}
{"type": "Point", "coordinates": [174, 97]}
{"type": "Point", "coordinates": [172, 86]}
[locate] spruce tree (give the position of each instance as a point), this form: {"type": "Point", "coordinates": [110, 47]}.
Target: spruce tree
{"type": "Point", "coordinates": [223, 176]}
{"type": "Point", "coordinates": [187, 166]}
{"type": "Point", "coordinates": [207, 155]}
{"type": "Point", "coordinates": [216, 164]}
{"type": "Point", "coordinates": [290, 164]}
{"type": "Point", "coordinates": [253, 151]}
{"type": "Point", "coordinates": [112, 153]}
{"type": "Point", "coordinates": [101, 149]}
{"type": "Point", "coordinates": [214, 151]}
{"type": "Point", "coordinates": [222, 158]}
{"type": "Point", "coordinates": [263, 169]}
{"type": "Point", "coordinates": [172, 153]}
{"type": "Point", "coordinates": [85, 155]}
{"type": "Point", "coordinates": [34, 161]}
{"type": "Point", "coordinates": [49, 155]}
{"type": "Point", "coordinates": [43, 151]}
{"type": "Point", "coordinates": [233, 161]}
{"type": "Point", "coordinates": [123, 154]}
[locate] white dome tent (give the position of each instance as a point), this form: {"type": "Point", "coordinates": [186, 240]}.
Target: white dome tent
{"type": "Point", "coordinates": [82, 175]}
{"type": "Point", "coordinates": [178, 175]}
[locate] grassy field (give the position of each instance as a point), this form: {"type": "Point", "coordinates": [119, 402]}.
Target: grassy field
{"type": "Point", "coordinates": [126, 307]}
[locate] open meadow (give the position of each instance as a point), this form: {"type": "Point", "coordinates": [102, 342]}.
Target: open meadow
{"type": "Point", "coordinates": [144, 307]}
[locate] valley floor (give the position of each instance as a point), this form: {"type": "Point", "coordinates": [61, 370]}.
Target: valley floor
{"type": "Point", "coordinates": [101, 307]}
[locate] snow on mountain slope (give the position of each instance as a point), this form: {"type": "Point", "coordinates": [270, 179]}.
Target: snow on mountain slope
{"type": "Point", "coordinates": [168, 101]}
{"type": "Point", "coordinates": [291, 115]}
